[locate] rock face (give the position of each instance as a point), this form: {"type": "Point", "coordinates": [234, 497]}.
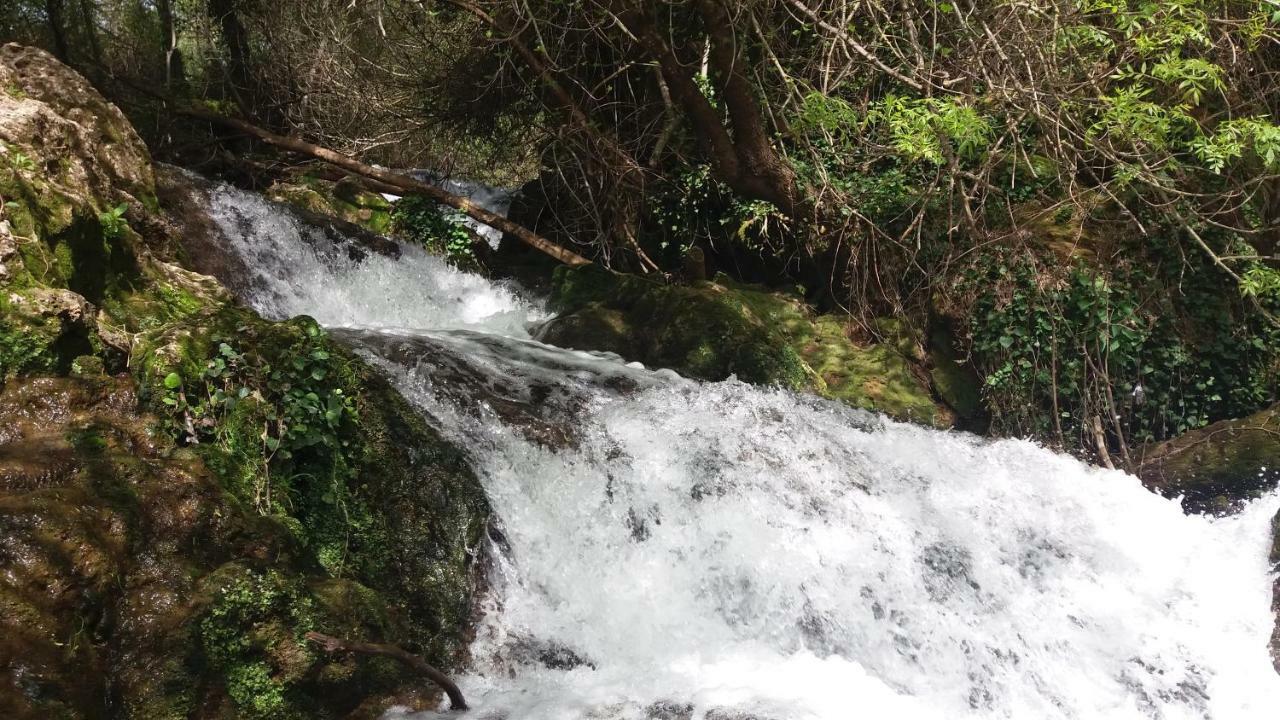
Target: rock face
{"type": "Point", "coordinates": [711, 330]}
{"type": "Point", "coordinates": [185, 488]}
{"type": "Point", "coordinates": [99, 155]}
{"type": "Point", "coordinates": [1217, 467]}
{"type": "Point", "coordinates": [344, 199]}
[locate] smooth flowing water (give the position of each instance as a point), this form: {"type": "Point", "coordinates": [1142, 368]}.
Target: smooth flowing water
{"type": "Point", "coordinates": [672, 549]}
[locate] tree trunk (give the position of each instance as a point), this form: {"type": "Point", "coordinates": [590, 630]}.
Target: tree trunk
{"type": "Point", "coordinates": [91, 33]}
{"type": "Point", "coordinates": [235, 40]}
{"type": "Point", "coordinates": [174, 72]}
{"type": "Point", "coordinates": [745, 160]}
{"type": "Point", "coordinates": [53, 13]}
{"type": "Point", "coordinates": [766, 173]}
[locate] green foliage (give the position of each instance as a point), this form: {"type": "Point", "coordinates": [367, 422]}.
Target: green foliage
{"type": "Point", "coordinates": [1081, 341]}
{"type": "Point", "coordinates": [1131, 116]}
{"type": "Point", "coordinates": [436, 228]}
{"type": "Point", "coordinates": [695, 207]}
{"type": "Point", "coordinates": [1235, 139]}
{"type": "Point", "coordinates": [279, 426]}
{"type": "Point", "coordinates": [832, 115]}
{"type": "Point", "coordinates": [113, 222]}
{"type": "Point", "coordinates": [1261, 282]}
{"type": "Point", "coordinates": [930, 128]}
{"type": "Point", "coordinates": [253, 615]}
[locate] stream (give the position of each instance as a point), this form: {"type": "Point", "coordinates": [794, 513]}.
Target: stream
{"type": "Point", "coordinates": [664, 548]}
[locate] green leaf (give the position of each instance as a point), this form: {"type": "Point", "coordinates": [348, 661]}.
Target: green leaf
{"type": "Point", "coordinates": [173, 381]}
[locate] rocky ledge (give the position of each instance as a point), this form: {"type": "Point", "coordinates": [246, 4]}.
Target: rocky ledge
{"type": "Point", "coordinates": [186, 489]}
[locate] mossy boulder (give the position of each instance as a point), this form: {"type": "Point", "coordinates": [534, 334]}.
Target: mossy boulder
{"type": "Point", "coordinates": [68, 132]}
{"type": "Point", "coordinates": [1219, 467]}
{"type": "Point", "coordinates": [714, 329]}
{"type": "Point", "coordinates": [134, 585]}
{"type": "Point", "coordinates": [345, 199]}
{"type": "Point", "coordinates": [186, 489]}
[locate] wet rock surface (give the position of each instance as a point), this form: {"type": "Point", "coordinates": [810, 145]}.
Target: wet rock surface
{"type": "Point", "coordinates": [1217, 468]}
{"type": "Point", "coordinates": [712, 330]}
{"type": "Point", "coordinates": [1275, 597]}
{"type": "Point", "coordinates": [141, 573]}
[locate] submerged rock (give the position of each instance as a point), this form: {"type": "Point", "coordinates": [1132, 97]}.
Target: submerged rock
{"type": "Point", "coordinates": [186, 489]}
{"type": "Point", "coordinates": [1219, 467]}
{"type": "Point", "coordinates": [712, 330]}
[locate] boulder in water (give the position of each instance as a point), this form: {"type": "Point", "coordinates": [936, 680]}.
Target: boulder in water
{"type": "Point", "coordinates": [1219, 467]}
{"type": "Point", "coordinates": [711, 330]}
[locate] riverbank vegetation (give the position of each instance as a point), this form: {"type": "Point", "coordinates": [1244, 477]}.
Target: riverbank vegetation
{"type": "Point", "coordinates": [1078, 199]}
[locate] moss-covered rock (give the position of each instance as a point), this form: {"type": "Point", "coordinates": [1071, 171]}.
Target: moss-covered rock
{"type": "Point", "coordinates": [711, 330]}
{"type": "Point", "coordinates": [185, 488]}
{"type": "Point", "coordinates": [1217, 468]}
{"type": "Point", "coordinates": [344, 199]}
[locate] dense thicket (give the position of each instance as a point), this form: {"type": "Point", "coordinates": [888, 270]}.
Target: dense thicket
{"type": "Point", "coordinates": [1085, 192]}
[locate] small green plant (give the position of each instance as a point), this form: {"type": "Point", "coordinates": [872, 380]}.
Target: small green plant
{"type": "Point", "coordinates": [441, 231]}
{"type": "Point", "coordinates": [113, 222]}
{"type": "Point", "coordinates": [21, 162]}
{"type": "Point", "coordinates": [294, 405]}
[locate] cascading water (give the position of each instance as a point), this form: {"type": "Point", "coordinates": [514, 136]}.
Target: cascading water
{"type": "Point", "coordinates": [672, 549]}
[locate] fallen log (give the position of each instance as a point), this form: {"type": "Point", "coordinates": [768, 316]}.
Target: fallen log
{"type": "Point", "coordinates": [403, 183]}
{"type": "Point", "coordinates": [331, 645]}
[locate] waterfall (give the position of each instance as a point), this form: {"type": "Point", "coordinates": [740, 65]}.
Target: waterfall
{"type": "Point", "coordinates": [665, 548]}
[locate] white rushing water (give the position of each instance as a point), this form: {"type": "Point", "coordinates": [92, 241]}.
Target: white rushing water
{"type": "Point", "coordinates": [713, 550]}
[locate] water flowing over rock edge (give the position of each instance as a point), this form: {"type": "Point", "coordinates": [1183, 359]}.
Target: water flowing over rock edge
{"type": "Point", "coordinates": [943, 563]}
{"type": "Point", "coordinates": [748, 552]}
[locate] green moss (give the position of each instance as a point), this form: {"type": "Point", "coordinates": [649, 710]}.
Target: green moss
{"type": "Point", "coordinates": [349, 490]}
{"type": "Point", "coordinates": [252, 633]}
{"type": "Point", "coordinates": [712, 330]}
{"type": "Point", "coordinates": [25, 348]}
{"type": "Point", "coordinates": [186, 573]}
{"type": "Point", "coordinates": [344, 199]}
{"type": "Point", "coordinates": [1217, 467]}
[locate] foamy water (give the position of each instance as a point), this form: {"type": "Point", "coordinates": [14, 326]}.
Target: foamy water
{"type": "Point", "coordinates": [701, 548]}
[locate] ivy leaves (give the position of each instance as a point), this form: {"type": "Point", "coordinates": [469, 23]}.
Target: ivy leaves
{"type": "Point", "coordinates": [440, 230]}
{"type": "Point", "coordinates": [293, 401]}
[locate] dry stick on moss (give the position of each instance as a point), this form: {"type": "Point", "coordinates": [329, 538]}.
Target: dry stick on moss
{"type": "Point", "coordinates": [332, 645]}
{"type": "Point", "coordinates": [396, 180]}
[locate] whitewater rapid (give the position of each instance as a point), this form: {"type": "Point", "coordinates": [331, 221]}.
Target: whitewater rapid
{"type": "Point", "coordinates": [714, 550]}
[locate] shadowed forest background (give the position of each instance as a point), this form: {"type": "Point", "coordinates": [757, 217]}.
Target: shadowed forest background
{"type": "Point", "coordinates": [1078, 200]}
